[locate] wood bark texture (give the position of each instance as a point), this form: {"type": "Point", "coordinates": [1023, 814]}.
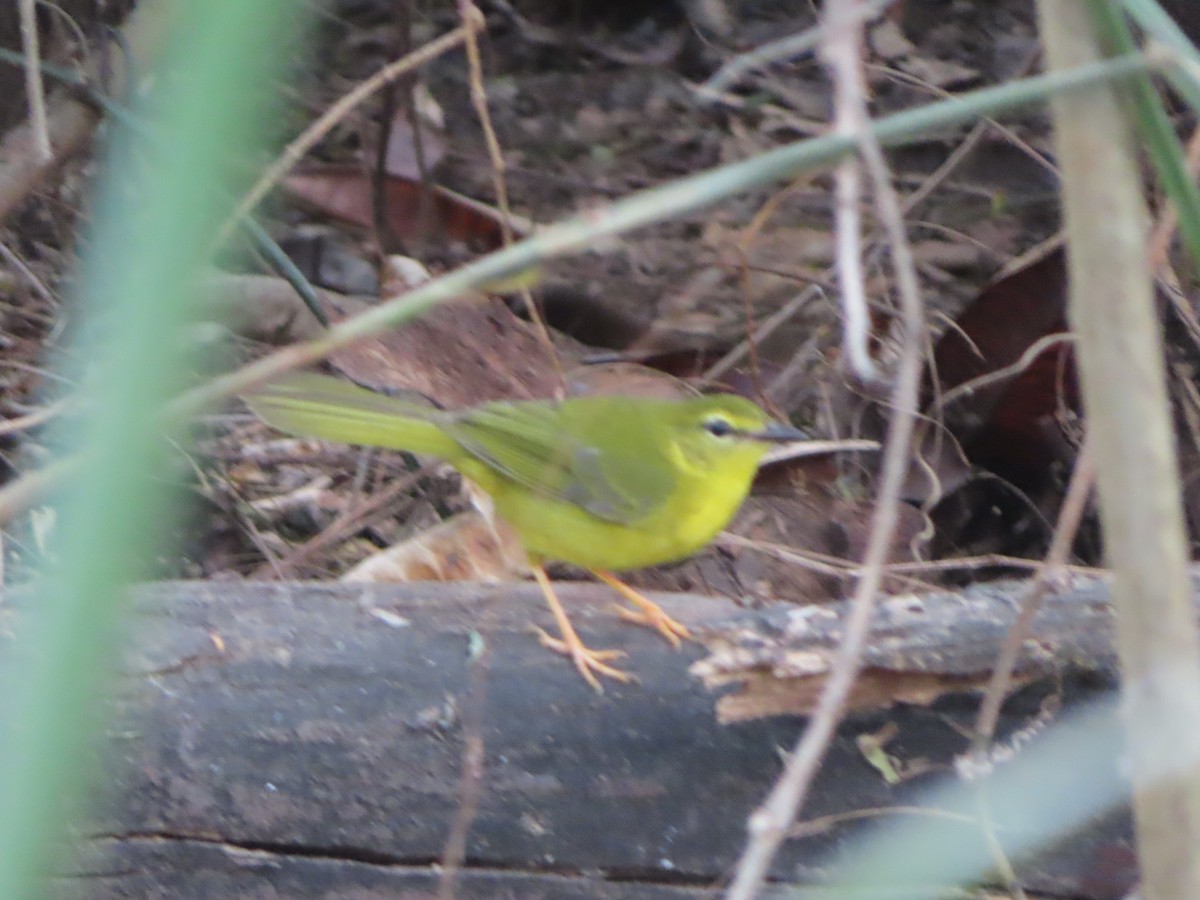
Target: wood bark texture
{"type": "Point", "coordinates": [304, 740]}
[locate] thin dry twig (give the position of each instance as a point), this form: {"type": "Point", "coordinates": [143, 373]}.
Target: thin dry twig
{"type": "Point", "coordinates": [35, 93]}
{"type": "Point", "coordinates": [742, 248]}
{"type": "Point", "coordinates": [37, 417]}
{"type": "Point", "coordinates": [789, 47]}
{"type": "Point", "coordinates": [856, 327]}
{"type": "Point", "coordinates": [842, 56]}
{"type": "Point", "coordinates": [353, 519]}
{"type": "Point", "coordinates": [770, 823]}
{"type": "Point", "coordinates": [1159, 246]}
{"type": "Point", "coordinates": [765, 330]}
{"type": "Point", "coordinates": [385, 237]}
{"type": "Point", "coordinates": [23, 268]}
{"type": "Point", "coordinates": [1003, 130]}
{"type": "Point", "coordinates": [467, 11]}
{"type": "Point", "coordinates": [1023, 362]}
{"type": "Point", "coordinates": [70, 121]}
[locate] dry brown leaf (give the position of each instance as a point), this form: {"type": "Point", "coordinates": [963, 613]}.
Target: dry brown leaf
{"type": "Point", "coordinates": [464, 548]}
{"type": "Point", "coordinates": [458, 354]}
{"type": "Point", "coordinates": [414, 211]}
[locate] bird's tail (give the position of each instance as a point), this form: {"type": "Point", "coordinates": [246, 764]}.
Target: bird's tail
{"type": "Point", "coordinates": [312, 405]}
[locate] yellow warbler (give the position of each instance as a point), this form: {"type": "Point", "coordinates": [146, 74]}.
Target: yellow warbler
{"type": "Point", "coordinates": [605, 482]}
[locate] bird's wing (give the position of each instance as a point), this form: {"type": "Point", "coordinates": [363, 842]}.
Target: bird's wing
{"type": "Point", "coordinates": [535, 445]}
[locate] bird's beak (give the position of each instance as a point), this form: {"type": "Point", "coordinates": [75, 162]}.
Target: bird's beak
{"type": "Point", "coordinates": [777, 432]}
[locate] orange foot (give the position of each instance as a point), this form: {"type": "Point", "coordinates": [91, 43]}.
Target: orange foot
{"type": "Point", "coordinates": [648, 613]}
{"type": "Point", "coordinates": [586, 659]}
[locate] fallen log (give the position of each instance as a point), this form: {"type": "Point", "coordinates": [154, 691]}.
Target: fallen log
{"type": "Point", "coordinates": [308, 740]}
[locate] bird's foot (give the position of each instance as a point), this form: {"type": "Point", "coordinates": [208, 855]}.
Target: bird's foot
{"type": "Point", "coordinates": [656, 618]}
{"type": "Point", "coordinates": [587, 660]}
{"type": "Point", "coordinates": [648, 613]}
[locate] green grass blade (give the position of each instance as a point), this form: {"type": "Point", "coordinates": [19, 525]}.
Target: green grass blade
{"type": "Point", "coordinates": [1162, 144]}
{"type": "Point", "coordinates": [134, 292]}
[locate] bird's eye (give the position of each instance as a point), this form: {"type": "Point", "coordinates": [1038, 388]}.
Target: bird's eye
{"type": "Point", "coordinates": [718, 426]}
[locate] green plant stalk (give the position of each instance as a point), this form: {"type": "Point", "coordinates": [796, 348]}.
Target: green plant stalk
{"type": "Point", "coordinates": [1150, 15]}
{"type": "Point", "coordinates": [137, 284]}
{"type": "Point", "coordinates": [1166, 153]}
{"type": "Point", "coordinates": [1156, 22]}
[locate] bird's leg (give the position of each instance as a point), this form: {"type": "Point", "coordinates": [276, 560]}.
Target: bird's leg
{"type": "Point", "coordinates": [586, 660]}
{"type": "Point", "coordinates": [648, 612]}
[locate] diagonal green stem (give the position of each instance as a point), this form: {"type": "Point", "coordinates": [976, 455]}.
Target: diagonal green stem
{"type": "Point", "coordinates": [686, 195]}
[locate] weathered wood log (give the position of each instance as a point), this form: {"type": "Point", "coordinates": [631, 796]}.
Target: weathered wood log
{"type": "Point", "coordinates": [923, 646]}
{"type": "Point", "coordinates": [309, 741]}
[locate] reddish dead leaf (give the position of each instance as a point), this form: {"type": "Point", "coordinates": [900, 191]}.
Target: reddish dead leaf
{"type": "Point", "coordinates": [1015, 425]}
{"type": "Point", "coordinates": [414, 211]}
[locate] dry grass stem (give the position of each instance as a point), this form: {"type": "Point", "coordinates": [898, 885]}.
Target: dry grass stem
{"type": "Point", "coordinates": [468, 12]}
{"type": "Point", "coordinates": [35, 94]}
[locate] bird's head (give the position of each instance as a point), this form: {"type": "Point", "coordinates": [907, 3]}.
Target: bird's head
{"type": "Point", "coordinates": [724, 435]}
